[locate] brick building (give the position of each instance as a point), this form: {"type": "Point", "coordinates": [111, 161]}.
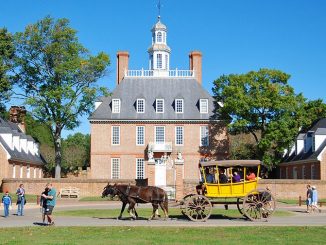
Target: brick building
{"type": "Point", "coordinates": [157, 123]}
{"type": "Point", "coordinates": [19, 153]}
{"type": "Point", "coordinates": [307, 159]}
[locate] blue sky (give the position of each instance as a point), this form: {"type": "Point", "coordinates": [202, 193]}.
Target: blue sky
{"type": "Point", "coordinates": [235, 36]}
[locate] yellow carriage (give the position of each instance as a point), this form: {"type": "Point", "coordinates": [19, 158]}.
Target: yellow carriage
{"type": "Point", "coordinates": [253, 203]}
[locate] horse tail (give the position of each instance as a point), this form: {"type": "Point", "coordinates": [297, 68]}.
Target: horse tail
{"type": "Point", "coordinates": [166, 202]}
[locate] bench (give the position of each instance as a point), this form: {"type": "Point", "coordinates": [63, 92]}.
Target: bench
{"type": "Point", "coordinates": [69, 192]}
{"type": "Point", "coordinates": [303, 201]}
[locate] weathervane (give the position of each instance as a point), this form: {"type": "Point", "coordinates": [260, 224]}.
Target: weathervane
{"type": "Point", "coordinates": [159, 6]}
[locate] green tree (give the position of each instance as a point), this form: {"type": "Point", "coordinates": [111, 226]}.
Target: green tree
{"type": "Point", "coordinates": [76, 151]}
{"type": "Point", "coordinates": [57, 76]}
{"type": "Point", "coordinates": [263, 104]}
{"type": "Point", "coordinates": [7, 52]}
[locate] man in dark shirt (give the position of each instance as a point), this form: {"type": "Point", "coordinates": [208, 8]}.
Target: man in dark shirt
{"type": "Point", "coordinates": [222, 177]}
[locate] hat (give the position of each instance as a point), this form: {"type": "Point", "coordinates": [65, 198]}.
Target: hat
{"type": "Point", "coordinates": [313, 187]}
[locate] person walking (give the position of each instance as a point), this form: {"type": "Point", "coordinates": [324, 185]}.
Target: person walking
{"type": "Point", "coordinates": [6, 200]}
{"type": "Point", "coordinates": [314, 199]}
{"type": "Point", "coordinates": [43, 203]}
{"type": "Point", "coordinates": [20, 200]}
{"type": "Point", "coordinates": [51, 202]}
{"type": "Point", "coordinates": [308, 198]}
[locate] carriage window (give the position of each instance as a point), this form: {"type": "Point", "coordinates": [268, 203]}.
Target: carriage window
{"type": "Point", "coordinates": [140, 168]}
{"type": "Point", "coordinates": [115, 168]}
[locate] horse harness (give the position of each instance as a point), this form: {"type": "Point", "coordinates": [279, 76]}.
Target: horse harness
{"type": "Point", "coordinates": [127, 194]}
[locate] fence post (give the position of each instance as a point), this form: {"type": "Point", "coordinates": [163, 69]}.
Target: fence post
{"type": "Point", "coordinates": [299, 200]}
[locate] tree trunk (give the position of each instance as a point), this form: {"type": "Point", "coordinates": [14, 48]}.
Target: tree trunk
{"type": "Point", "coordinates": [58, 151]}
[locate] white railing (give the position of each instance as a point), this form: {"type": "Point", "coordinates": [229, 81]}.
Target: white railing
{"type": "Point", "coordinates": [160, 73]}
{"type": "Point", "coordinates": [160, 147]}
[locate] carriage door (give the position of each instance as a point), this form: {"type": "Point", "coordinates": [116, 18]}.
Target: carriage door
{"type": "Point", "coordinates": [160, 173]}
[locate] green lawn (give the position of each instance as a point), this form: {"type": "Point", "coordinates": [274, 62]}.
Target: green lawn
{"type": "Point", "coordinates": [296, 201]}
{"type": "Point", "coordinates": [159, 235]}
{"type": "Point", "coordinates": [146, 212]}
{"type": "Point", "coordinates": [96, 199]}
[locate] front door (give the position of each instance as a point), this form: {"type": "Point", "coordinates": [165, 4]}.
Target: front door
{"type": "Point", "coordinates": [160, 173]}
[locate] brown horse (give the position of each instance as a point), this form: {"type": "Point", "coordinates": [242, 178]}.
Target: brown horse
{"type": "Point", "coordinates": [138, 194]}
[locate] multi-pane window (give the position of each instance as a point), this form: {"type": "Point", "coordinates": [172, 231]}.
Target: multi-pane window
{"type": "Point", "coordinates": [21, 171]}
{"type": "Point", "coordinates": [34, 175]}
{"type": "Point", "coordinates": [14, 171]}
{"type": "Point", "coordinates": [40, 173]}
{"type": "Point", "coordinates": [140, 105]}
{"type": "Point", "coordinates": [159, 105]}
{"type": "Point", "coordinates": [179, 106]}
{"type": "Point", "coordinates": [116, 106]}
{"type": "Point", "coordinates": [28, 171]}
{"type": "Point", "coordinates": [159, 37]}
{"type": "Point", "coordinates": [159, 134]}
{"type": "Point", "coordinates": [203, 103]}
{"type": "Point", "coordinates": [115, 135]}
{"type": "Point", "coordinates": [166, 61]}
{"type": "Point", "coordinates": [179, 135]}
{"type": "Point", "coordinates": [313, 172]}
{"type": "Point", "coordinates": [303, 175]}
{"type": "Point", "coordinates": [204, 137]}
{"type": "Point", "coordinates": [115, 168]}
{"type": "Point", "coordinates": [159, 61]}
{"type": "Point", "coordinates": [140, 135]}
{"type": "Point", "coordinates": [140, 168]}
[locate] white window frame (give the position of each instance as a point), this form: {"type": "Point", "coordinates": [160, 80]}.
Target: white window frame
{"type": "Point", "coordinates": [14, 170]}
{"type": "Point", "coordinates": [159, 37]}
{"type": "Point", "coordinates": [303, 172]}
{"type": "Point", "coordinates": [40, 173]}
{"type": "Point", "coordinates": [176, 135]}
{"type": "Point", "coordinates": [201, 134]}
{"type": "Point", "coordinates": [203, 106]}
{"type": "Point", "coordinates": [34, 173]}
{"type": "Point", "coordinates": [28, 171]}
{"type": "Point", "coordinates": [138, 107]}
{"type": "Point", "coordinates": [159, 61]}
{"type": "Point", "coordinates": [115, 141]}
{"type": "Point", "coordinates": [155, 134]}
{"type": "Point", "coordinates": [138, 136]}
{"type": "Point", "coordinates": [116, 105]}
{"type": "Point", "coordinates": [176, 106]}
{"type": "Point", "coordinates": [115, 173]}
{"type": "Point", "coordinates": [140, 168]}
{"type": "Point", "coordinates": [21, 171]}
{"type": "Point", "coordinates": [156, 105]}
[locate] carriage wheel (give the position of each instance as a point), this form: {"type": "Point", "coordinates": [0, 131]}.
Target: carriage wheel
{"type": "Point", "coordinates": [183, 204]}
{"type": "Point", "coordinates": [198, 208]}
{"type": "Point", "coordinates": [240, 206]}
{"type": "Point", "coordinates": [258, 205]}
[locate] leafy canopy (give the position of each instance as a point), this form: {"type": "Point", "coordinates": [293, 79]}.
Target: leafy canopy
{"type": "Point", "coordinates": [7, 52]}
{"type": "Point", "coordinates": [57, 76]}
{"type": "Point", "coordinates": [263, 104]}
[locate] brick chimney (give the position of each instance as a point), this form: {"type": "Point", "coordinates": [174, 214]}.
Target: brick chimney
{"type": "Point", "coordinates": [122, 64]}
{"type": "Point", "coordinates": [17, 115]}
{"type": "Point", "coordinates": [195, 64]}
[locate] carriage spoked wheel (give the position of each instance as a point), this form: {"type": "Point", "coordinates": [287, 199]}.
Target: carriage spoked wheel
{"type": "Point", "coordinates": [258, 205]}
{"type": "Point", "coordinates": [183, 204]}
{"type": "Point", "coordinates": [198, 208]}
{"type": "Point", "coordinates": [240, 206]}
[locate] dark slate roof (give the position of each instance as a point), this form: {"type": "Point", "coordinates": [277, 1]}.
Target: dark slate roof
{"type": "Point", "coordinates": [12, 128]}
{"type": "Point", "coordinates": [319, 127]}
{"type": "Point", "coordinates": [150, 89]}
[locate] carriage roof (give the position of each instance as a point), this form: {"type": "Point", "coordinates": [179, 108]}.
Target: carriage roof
{"type": "Point", "coordinates": [232, 163]}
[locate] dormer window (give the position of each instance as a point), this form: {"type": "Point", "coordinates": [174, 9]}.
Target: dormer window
{"type": "Point", "coordinates": [179, 106]}
{"type": "Point", "coordinates": [140, 106]}
{"type": "Point", "coordinates": [159, 105]}
{"type": "Point", "coordinates": [116, 106]}
{"type": "Point", "coordinates": [159, 37]}
{"type": "Point", "coordinates": [203, 105]}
